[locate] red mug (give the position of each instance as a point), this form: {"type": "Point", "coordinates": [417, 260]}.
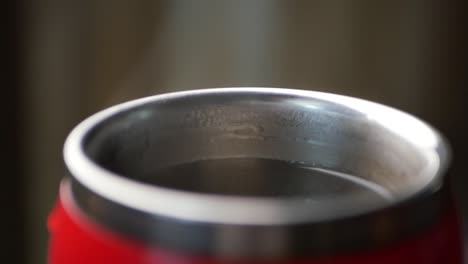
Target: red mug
{"type": "Point", "coordinates": [254, 175]}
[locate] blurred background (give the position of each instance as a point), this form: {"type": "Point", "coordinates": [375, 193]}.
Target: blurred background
{"type": "Point", "coordinates": [67, 59]}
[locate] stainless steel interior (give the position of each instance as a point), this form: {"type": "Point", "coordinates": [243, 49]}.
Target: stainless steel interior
{"type": "Point", "coordinates": [271, 124]}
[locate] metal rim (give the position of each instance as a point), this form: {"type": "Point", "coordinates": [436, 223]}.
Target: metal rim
{"type": "Point", "coordinates": [237, 210]}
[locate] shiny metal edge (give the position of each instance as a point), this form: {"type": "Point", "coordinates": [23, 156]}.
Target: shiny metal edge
{"type": "Point", "coordinates": [351, 235]}
{"type": "Point", "coordinates": [214, 209]}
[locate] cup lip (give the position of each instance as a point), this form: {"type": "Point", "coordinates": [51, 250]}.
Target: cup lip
{"type": "Point", "coordinates": [209, 208]}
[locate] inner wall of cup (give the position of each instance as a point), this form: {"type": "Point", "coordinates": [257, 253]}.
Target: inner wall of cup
{"type": "Point", "coordinates": [311, 131]}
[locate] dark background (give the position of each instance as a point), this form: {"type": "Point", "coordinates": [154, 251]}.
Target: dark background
{"type": "Point", "coordinates": [67, 59]}
{"type": "Point", "coordinates": [12, 196]}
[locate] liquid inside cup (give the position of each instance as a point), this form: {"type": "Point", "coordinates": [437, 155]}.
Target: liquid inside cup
{"type": "Point", "coordinates": [264, 178]}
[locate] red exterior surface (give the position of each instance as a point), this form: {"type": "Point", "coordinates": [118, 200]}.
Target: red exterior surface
{"type": "Point", "coordinates": [78, 241]}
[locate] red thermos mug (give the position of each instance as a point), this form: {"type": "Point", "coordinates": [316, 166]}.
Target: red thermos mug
{"type": "Point", "coordinates": [254, 175]}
